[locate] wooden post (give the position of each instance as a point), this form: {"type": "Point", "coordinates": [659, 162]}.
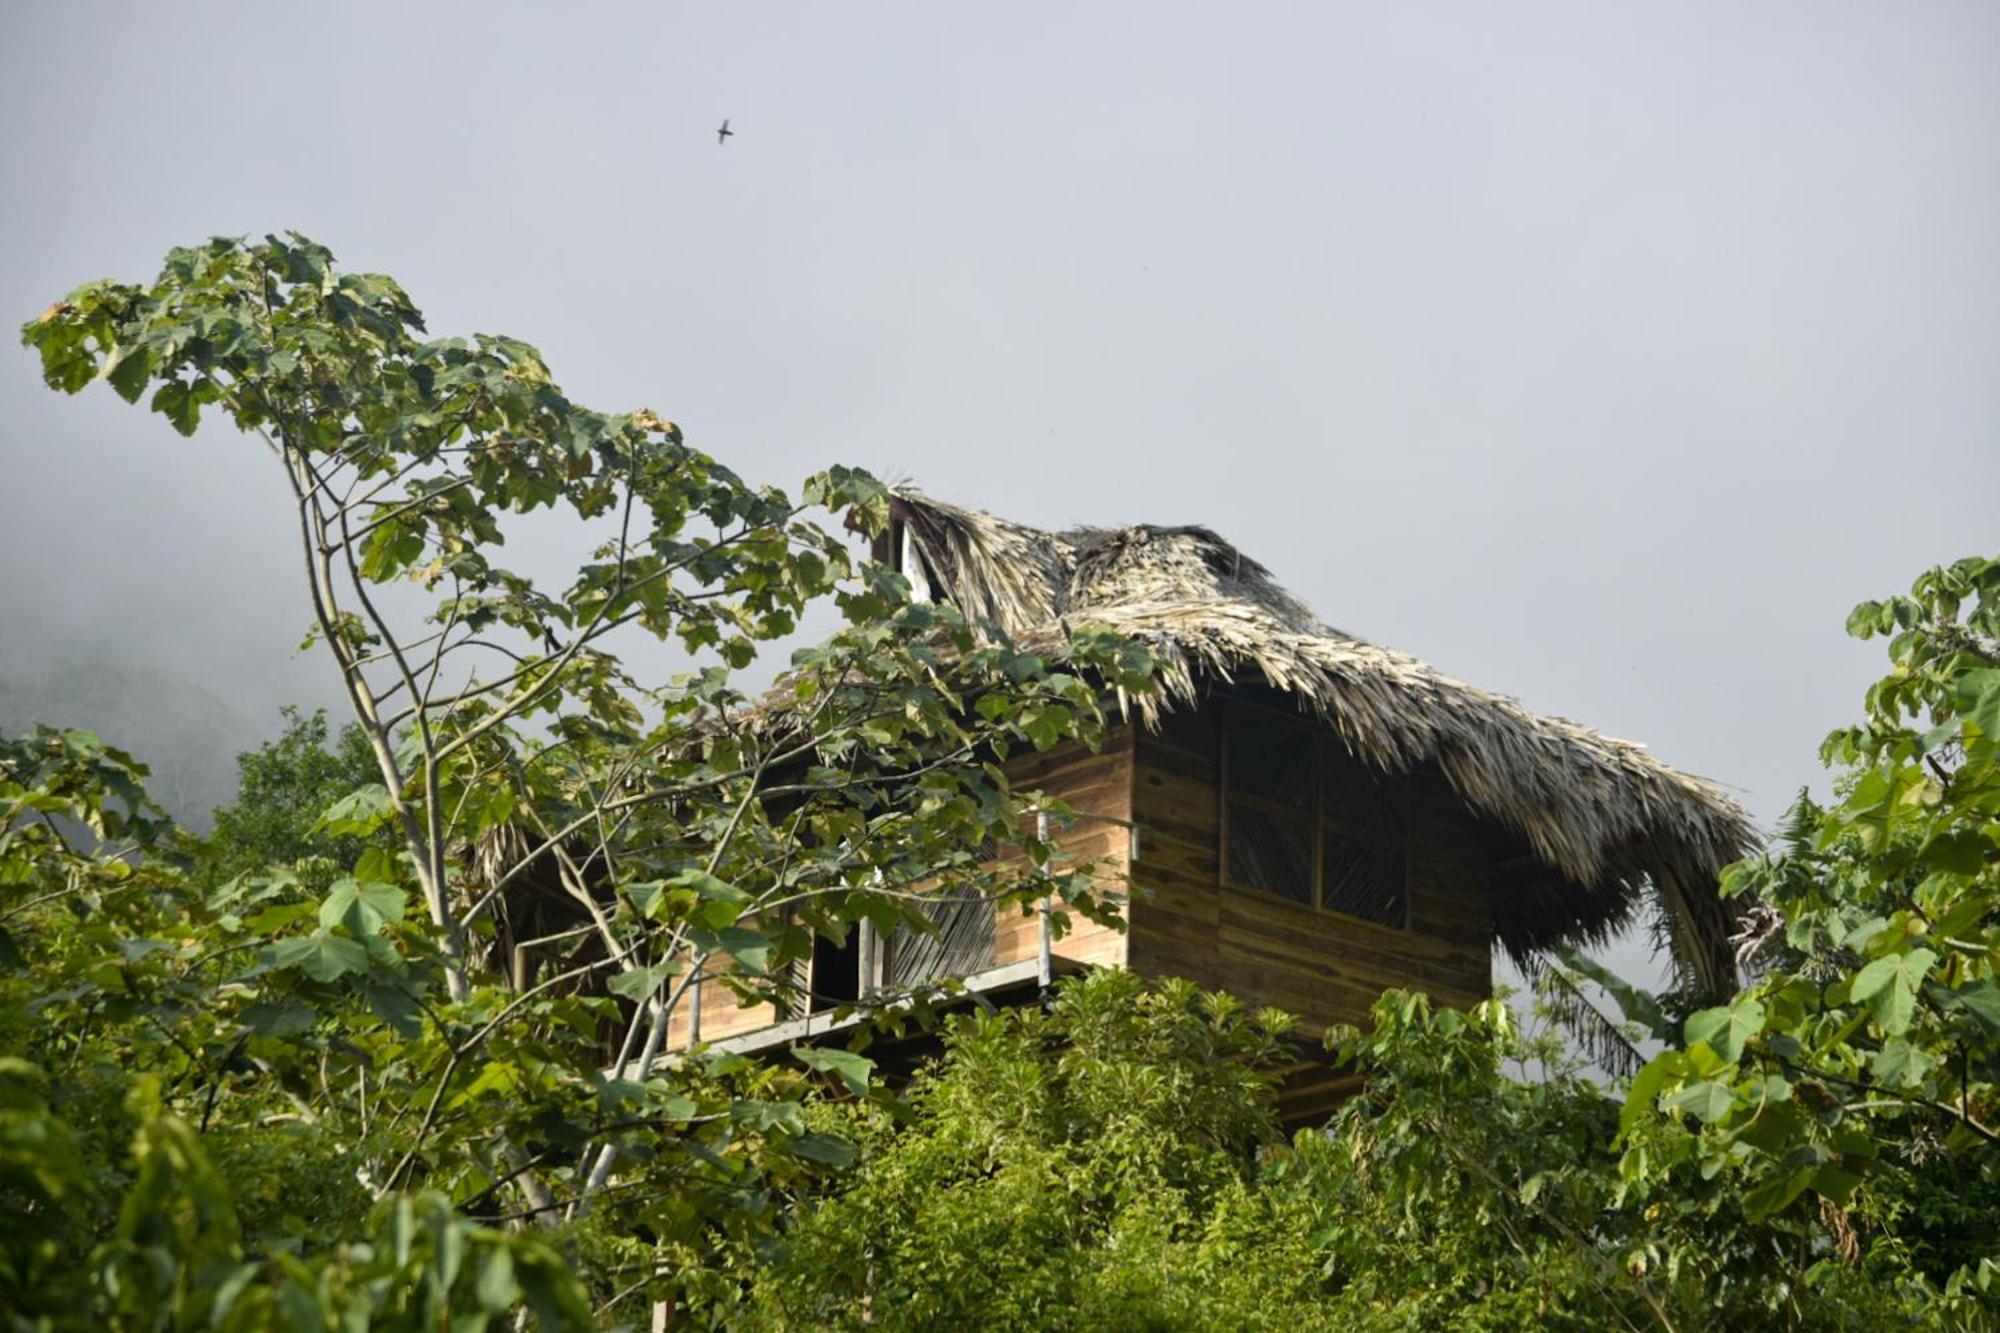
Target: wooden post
{"type": "Point", "coordinates": [694, 1004]}
{"type": "Point", "coordinates": [871, 962]}
{"type": "Point", "coordinates": [1045, 967]}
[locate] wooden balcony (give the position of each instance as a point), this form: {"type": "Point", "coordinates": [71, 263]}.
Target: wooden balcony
{"type": "Point", "coordinates": [1009, 984]}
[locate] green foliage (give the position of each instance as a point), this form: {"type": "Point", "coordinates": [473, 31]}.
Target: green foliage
{"type": "Point", "coordinates": [1854, 1079]}
{"type": "Point", "coordinates": [438, 959]}
{"type": "Point", "coordinates": [177, 1245]}
{"type": "Point", "coordinates": [285, 788]}
{"type": "Point", "coordinates": [1092, 1166]}
{"type": "Point", "coordinates": [212, 1096]}
{"type": "Point", "coordinates": [1457, 1196]}
{"type": "Point", "coordinates": [1113, 1163]}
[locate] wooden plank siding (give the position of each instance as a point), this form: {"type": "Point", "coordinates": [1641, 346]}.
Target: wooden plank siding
{"type": "Point", "coordinates": [1098, 786]}
{"type": "Point", "coordinates": [1320, 966]}
{"type": "Point", "coordinates": [1323, 967]}
{"type": "Point", "coordinates": [1092, 784]}
{"type": "Point", "coordinates": [722, 1015]}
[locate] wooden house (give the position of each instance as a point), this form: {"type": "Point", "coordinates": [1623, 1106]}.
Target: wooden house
{"type": "Point", "coordinates": [1299, 817]}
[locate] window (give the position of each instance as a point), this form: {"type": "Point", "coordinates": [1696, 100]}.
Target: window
{"type": "Point", "coordinates": [836, 971]}
{"type": "Point", "coordinates": [1305, 820]}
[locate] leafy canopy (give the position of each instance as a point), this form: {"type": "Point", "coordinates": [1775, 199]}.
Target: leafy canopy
{"type": "Point", "coordinates": [1114, 1163]}
{"type": "Point", "coordinates": [448, 995]}
{"type": "Point", "coordinates": [1855, 1078]}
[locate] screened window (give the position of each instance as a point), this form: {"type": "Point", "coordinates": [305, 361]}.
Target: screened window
{"type": "Point", "coordinates": [1307, 821]}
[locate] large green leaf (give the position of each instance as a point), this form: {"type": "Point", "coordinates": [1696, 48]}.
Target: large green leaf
{"type": "Point", "coordinates": [851, 1069]}
{"type": "Point", "coordinates": [822, 1148]}
{"type": "Point", "coordinates": [1726, 1029]}
{"type": "Point", "coordinates": [496, 1287]}
{"type": "Point", "coordinates": [394, 1005]}
{"type": "Point", "coordinates": [323, 957]}
{"type": "Point", "coordinates": [364, 907]}
{"type": "Point", "coordinates": [1709, 1099]}
{"type": "Point", "coordinates": [763, 1116]}
{"type": "Point", "coordinates": [178, 404]}
{"type": "Point", "coordinates": [1900, 1064]}
{"type": "Point", "coordinates": [1977, 696]}
{"type": "Point", "coordinates": [128, 369]}
{"type": "Point", "coordinates": [1981, 999]}
{"type": "Point", "coordinates": [720, 903]}
{"type": "Point", "coordinates": [358, 813]}
{"type": "Point", "coordinates": [278, 1018]}
{"type": "Point", "coordinates": [1642, 1094]}
{"type": "Point", "coordinates": [1889, 987]}
{"type": "Point", "coordinates": [750, 948]}
{"type": "Point", "coordinates": [639, 984]}
{"type": "Point", "coordinates": [1777, 1192]}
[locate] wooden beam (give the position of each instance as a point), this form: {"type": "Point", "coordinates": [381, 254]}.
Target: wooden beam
{"type": "Point", "coordinates": [812, 1026]}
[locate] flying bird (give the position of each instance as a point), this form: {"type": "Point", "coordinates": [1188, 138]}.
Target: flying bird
{"type": "Point", "coordinates": [722, 135]}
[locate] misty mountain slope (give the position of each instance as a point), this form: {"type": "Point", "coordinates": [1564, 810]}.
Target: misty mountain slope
{"type": "Point", "coordinates": [184, 732]}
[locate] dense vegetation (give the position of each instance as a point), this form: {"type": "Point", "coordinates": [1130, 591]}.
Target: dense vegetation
{"type": "Point", "coordinates": [283, 787]}
{"type": "Point", "coordinates": [376, 1060]}
{"type": "Point", "coordinates": [384, 1051]}
{"type": "Point", "coordinates": [1131, 1177]}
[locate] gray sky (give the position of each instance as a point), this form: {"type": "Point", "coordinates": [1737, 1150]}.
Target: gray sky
{"type": "Point", "coordinates": [1603, 355]}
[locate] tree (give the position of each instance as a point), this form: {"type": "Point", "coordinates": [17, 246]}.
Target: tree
{"type": "Point", "coordinates": [475, 1008]}
{"type": "Point", "coordinates": [1455, 1195]}
{"type": "Point", "coordinates": [1132, 1177]}
{"type": "Point", "coordinates": [283, 787]}
{"type": "Point", "coordinates": [1114, 1185]}
{"type": "Point", "coordinates": [1855, 1078]}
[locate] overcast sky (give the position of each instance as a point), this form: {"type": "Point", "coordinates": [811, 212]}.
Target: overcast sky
{"type": "Point", "coordinates": [1602, 355]}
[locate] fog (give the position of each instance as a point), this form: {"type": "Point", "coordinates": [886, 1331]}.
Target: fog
{"type": "Point", "coordinates": [1601, 355]}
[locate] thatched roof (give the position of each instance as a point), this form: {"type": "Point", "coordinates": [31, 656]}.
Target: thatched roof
{"type": "Point", "coordinates": [1603, 827]}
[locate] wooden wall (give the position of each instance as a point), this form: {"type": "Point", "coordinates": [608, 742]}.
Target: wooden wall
{"type": "Point", "coordinates": [1322, 967]}
{"type": "Point", "coordinates": [1091, 784]}
{"type": "Point", "coordinates": [722, 1015]}
{"type": "Point", "coordinates": [1098, 783]}
{"type": "Point", "coordinates": [1319, 966]}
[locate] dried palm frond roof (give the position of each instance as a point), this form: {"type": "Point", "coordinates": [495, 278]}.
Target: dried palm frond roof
{"type": "Point", "coordinates": [1606, 827]}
